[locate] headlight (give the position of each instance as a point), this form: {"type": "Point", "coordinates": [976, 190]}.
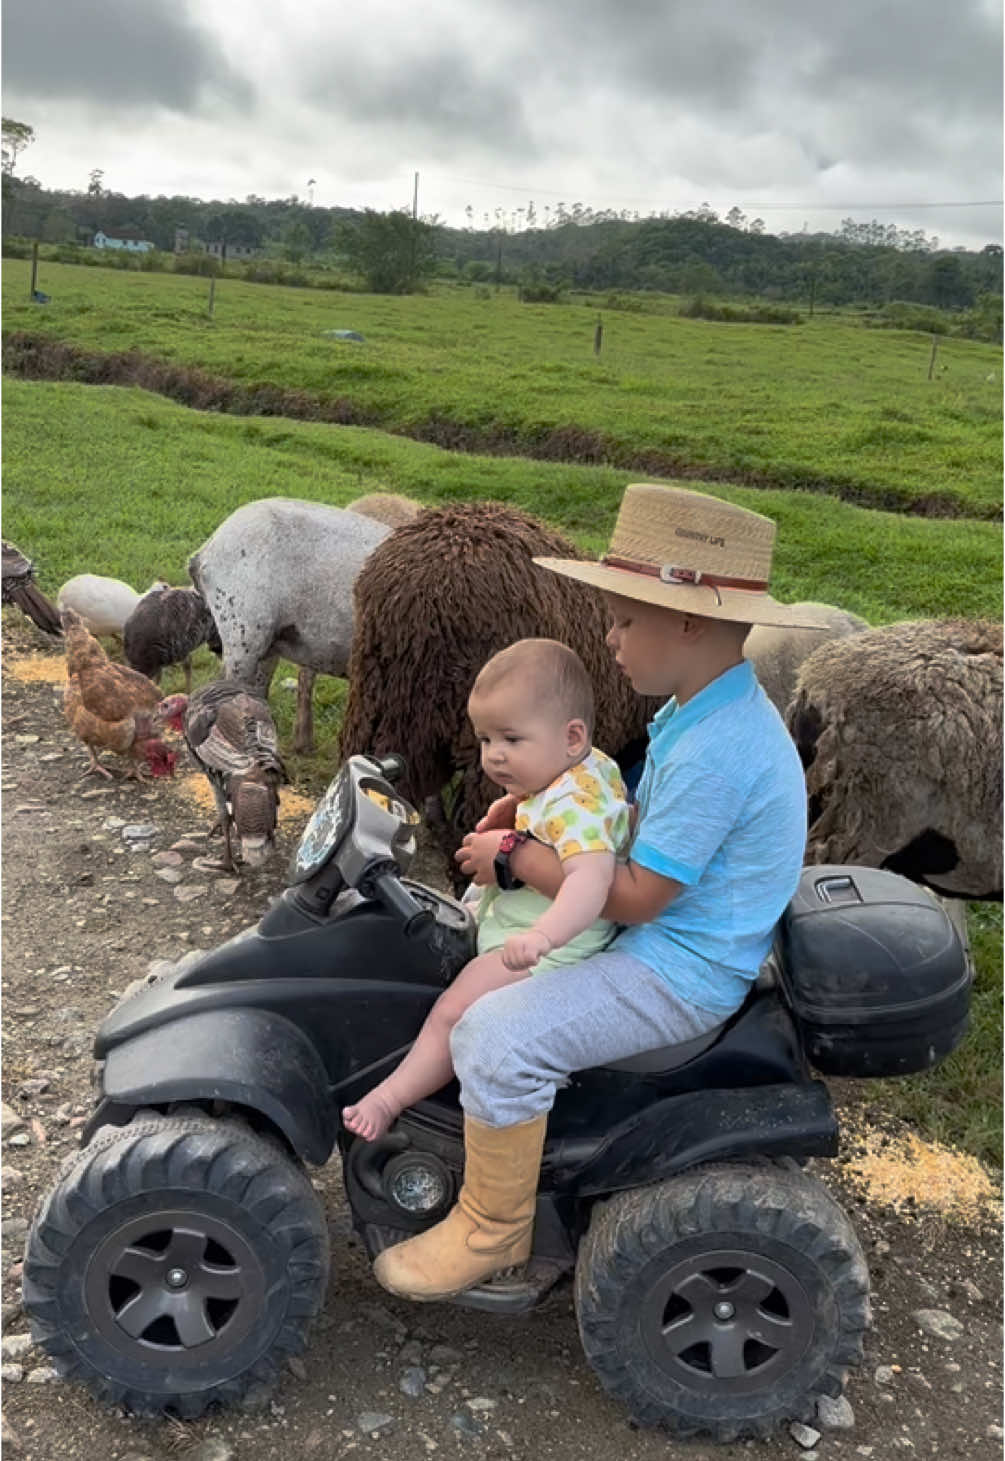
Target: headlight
{"type": "Point", "coordinates": [330, 820]}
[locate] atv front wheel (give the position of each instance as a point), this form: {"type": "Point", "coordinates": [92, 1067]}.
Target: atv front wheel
{"type": "Point", "coordinates": [177, 1262]}
{"type": "Point", "coordinates": [724, 1301]}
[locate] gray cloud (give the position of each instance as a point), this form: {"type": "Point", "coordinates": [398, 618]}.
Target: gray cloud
{"type": "Point", "coordinates": [781, 105]}
{"type": "Point", "coordinates": [442, 100]}
{"type": "Point", "coordinates": [114, 54]}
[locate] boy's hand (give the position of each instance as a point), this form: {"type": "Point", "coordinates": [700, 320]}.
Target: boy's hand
{"type": "Point", "coordinates": [500, 815]}
{"type": "Point", "coordinates": [523, 950]}
{"type": "Point", "coordinates": [477, 854]}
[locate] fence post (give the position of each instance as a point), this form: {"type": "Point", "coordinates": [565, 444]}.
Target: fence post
{"type": "Point", "coordinates": [598, 336]}
{"type": "Point", "coordinates": [931, 359]}
{"type": "Point", "coordinates": [34, 268]}
{"type": "Point", "coordinates": [212, 292]}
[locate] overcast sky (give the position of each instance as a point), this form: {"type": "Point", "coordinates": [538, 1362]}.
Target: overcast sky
{"type": "Point", "coordinates": [800, 111]}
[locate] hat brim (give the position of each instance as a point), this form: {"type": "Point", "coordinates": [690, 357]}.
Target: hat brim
{"type": "Point", "coordinates": [737, 605]}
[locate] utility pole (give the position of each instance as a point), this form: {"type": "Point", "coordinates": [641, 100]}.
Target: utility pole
{"type": "Point", "coordinates": [415, 228]}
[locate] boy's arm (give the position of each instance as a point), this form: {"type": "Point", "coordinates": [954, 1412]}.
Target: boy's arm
{"type": "Point", "coordinates": [636, 894]}
{"type": "Point", "coordinates": [585, 880]}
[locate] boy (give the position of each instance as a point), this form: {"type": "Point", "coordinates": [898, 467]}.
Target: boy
{"type": "Point", "coordinates": [716, 857]}
{"type": "Point", "coordinates": [531, 707]}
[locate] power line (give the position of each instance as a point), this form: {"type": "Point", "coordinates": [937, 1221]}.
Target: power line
{"type": "Point", "coordinates": [532, 191]}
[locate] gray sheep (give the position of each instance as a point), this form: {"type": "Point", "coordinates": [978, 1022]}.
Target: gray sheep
{"type": "Point", "coordinates": [900, 732]}
{"type": "Point", "coordinates": [776, 652]}
{"type": "Point", "coordinates": [278, 578]}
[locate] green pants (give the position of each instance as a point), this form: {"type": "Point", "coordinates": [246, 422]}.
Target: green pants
{"type": "Point", "coordinates": [500, 914]}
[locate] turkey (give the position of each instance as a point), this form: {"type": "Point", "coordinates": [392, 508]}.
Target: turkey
{"type": "Point", "coordinates": [231, 735]}
{"type": "Point", "coordinates": [18, 587]}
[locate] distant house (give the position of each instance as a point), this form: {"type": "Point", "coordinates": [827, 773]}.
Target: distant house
{"type": "Point", "coordinates": [234, 250]}
{"type": "Point", "coordinates": [184, 242]}
{"type": "Point", "coordinates": [123, 238]}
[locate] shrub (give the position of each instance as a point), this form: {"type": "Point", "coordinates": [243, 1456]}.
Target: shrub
{"type": "Point", "coordinates": [535, 287]}
{"type": "Point", "coordinates": [700, 308]}
{"type": "Point", "coordinates": [627, 303]}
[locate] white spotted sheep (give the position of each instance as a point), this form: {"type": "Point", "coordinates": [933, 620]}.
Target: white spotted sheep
{"type": "Point", "coordinates": [277, 576]}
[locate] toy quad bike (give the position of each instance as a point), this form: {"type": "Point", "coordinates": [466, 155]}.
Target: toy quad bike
{"type": "Point", "coordinates": [719, 1289]}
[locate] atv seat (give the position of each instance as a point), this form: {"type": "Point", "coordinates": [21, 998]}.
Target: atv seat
{"type": "Point", "coordinates": [668, 1057]}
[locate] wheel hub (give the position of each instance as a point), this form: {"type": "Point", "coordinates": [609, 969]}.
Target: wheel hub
{"type": "Point", "coordinates": [175, 1288]}
{"type": "Point", "coordinates": [728, 1318]}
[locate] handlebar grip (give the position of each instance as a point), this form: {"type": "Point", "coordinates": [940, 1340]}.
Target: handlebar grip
{"type": "Point", "coordinates": [399, 900]}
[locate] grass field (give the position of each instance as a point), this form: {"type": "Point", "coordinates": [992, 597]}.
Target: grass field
{"type": "Point", "coordinates": [119, 481]}
{"type": "Point", "coordinates": [826, 403]}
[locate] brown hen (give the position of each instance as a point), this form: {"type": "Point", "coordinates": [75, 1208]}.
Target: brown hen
{"type": "Point", "coordinates": [110, 707]}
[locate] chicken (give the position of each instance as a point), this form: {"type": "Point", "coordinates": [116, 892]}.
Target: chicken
{"type": "Point", "coordinates": [231, 735]}
{"type": "Point", "coordinates": [18, 588]}
{"type": "Point", "coordinates": [110, 707]}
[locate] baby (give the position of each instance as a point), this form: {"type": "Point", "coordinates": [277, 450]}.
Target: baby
{"type": "Point", "coordinates": [531, 708]}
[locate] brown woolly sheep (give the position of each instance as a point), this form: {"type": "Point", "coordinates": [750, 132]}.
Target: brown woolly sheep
{"type": "Point", "coordinates": [431, 604]}
{"type": "Point", "coordinates": [900, 732]}
{"type": "Point", "coordinates": [777, 652]}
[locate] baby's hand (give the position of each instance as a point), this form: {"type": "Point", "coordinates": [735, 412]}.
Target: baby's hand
{"type": "Point", "coordinates": [523, 950]}
{"type": "Point", "coordinates": [500, 815]}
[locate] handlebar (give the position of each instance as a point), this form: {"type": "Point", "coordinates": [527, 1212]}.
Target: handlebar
{"type": "Point", "coordinates": [388, 889]}
{"type": "Point", "coordinates": [392, 766]}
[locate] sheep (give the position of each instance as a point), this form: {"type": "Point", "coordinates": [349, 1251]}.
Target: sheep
{"type": "Point", "coordinates": [432, 604]}
{"type": "Point", "coordinates": [899, 730]}
{"type": "Point", "coordinates": [777, 652]}
{"type": "Point", "coordinates": [383, 507]}
{"type": "Point", "coordinates": [277, 576]}
{"type": "Point", "coordinates": [166, 628]}
{"type": "Point", "coordinates": [386, 507]}
{"type": "Point", "coordinates": [104, 604]}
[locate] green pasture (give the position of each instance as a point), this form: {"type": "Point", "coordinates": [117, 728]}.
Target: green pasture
{"type": "Point", "coordinates": [121, 482]}
{"type": "Point", "coordinates": [826, 404]}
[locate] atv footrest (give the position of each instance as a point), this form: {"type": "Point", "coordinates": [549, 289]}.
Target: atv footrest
{"type": "Point", "coordinates": [514, 1291]}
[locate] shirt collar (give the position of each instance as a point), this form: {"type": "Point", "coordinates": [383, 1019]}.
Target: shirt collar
{"type": "Point", "coordinates": [733, 683]}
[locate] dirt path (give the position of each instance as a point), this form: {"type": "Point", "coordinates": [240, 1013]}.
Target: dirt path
{"type": "Point", "coordinates": [85, 911]}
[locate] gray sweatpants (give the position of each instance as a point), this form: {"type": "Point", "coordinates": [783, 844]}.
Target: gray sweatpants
{"type": "Point", "coordinates": [515, 1046]}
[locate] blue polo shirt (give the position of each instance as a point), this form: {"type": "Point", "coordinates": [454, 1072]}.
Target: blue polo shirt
{"type": "Point", "coordinates": [722, 809]}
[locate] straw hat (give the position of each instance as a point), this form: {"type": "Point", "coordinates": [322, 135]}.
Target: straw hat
{"type": "Point", "coordinates": [687, 551]}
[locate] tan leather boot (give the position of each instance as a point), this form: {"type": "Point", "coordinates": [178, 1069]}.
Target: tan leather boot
{"type": "Point", "coordinates": [491, 1226]}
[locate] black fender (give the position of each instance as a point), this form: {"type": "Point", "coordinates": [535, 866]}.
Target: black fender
{"type": "Point", "coordinates": [251, 1057]}
{"type": "Point", "coordinates": [791, 1120]}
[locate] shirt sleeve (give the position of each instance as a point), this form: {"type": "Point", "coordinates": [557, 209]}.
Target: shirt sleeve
{"type": "Point", "coordinates": [575, 821]}
{"type": "Point", "coordinates": [691, 810]}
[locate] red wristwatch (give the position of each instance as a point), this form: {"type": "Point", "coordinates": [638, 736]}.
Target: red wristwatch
{"type": "Point", "coordinates": [508, 842]}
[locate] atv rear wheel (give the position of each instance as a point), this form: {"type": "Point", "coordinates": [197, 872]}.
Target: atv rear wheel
{"type": "Point", "coordinates": [724, 1301]}
{"type": "Point", "coordinates": [177, 1262]}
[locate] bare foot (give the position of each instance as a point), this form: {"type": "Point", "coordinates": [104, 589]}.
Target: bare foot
{"type": "Point", "coordinates": [370, 1117]}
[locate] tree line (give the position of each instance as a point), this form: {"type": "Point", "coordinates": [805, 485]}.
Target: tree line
{"type": "Point", "coordinates": [545, 251]}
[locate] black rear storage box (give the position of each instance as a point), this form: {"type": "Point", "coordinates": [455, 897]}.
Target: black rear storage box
{"type": "Point", "coordinates": [874, 970]}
